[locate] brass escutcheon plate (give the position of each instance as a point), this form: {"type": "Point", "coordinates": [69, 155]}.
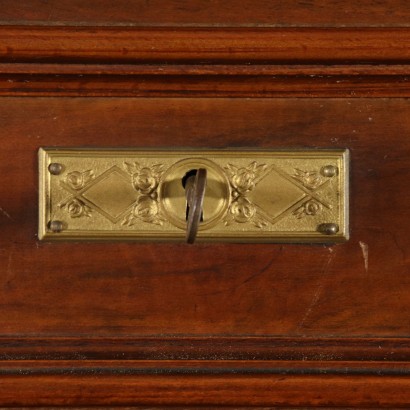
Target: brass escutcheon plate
{"type": "Point", "coordinates": [251, 196]}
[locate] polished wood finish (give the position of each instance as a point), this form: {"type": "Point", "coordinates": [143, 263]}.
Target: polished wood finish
{"type": "Point", "coordinates": [194, 13]}
{"type": "Point", "coordinates": [231, 386]}
{"type": "Point", "coordinates": [248, 62]}
{"type": "Point", "coordinates": [103, 324]}
{"type": "Point", "coordinates": [204, 45]}
{"type": "Point", "coordinates": [83, 292]}
{"type": "Point", "coordinates": [315, 84]}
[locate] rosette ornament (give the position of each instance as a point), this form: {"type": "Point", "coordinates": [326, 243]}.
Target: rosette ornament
{"type": "Point", "coordinates": [145, 180]}
{"type": "Point", "coordinates": [243, 180]}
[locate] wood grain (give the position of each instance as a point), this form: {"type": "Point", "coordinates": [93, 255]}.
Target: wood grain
{"type": "Point", "coordinates": [216, 86]}
{"type": "Point", "coordinates": [204, 62]}
{"type": "Point", "coordinates": [210, 325]}
{"type": "Point", "coordinates": [331, 316]}
{"type": "Point", "coordinates": [206, 390]}
{"type": "Point", "coordinates": [208, 383]}
{"type": "Point", "coordinates": [194, 13]}
{"type": "Point", "coordinates": [204, 45]}
{"type": "Point", "coordinates": [316, 351]}
{"type": "Point", "coordinates": [105, 289]}
{"type": "Point", "coordinates": [188, 80]}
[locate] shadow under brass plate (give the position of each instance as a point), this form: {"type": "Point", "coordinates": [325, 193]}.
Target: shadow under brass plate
{"type": "Point", "coordinates": [251, 196]}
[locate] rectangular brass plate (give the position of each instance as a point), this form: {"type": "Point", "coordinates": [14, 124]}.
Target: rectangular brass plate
{"type": "Point", "coordinates": [252, 196]}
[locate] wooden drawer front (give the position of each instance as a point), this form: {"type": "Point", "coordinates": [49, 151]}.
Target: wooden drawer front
{"type": "Point", "coordinates": [125, 289]}
{"type": "Point", "coordinates": [109, 301]}
{"type": "Point", "coordinates": [211, 324]}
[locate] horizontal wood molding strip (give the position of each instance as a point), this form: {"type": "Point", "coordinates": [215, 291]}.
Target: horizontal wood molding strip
{"type": "Point", "coordinates": [352, 86]}
{"type": "Point", "coordinates": [212, 348]}
{"type": "Point", "coordinates": [338, 13]}
{"type": "Point", "coordinates": [204, 367]}
{"type": "Point", "coordinates": [206, 69]}
{"type": "Point", "coordinates": [204, 45]}
{"type": "Point", "coordinates": [205, 390]}
{"type": "Point", "coordinates": [171, 62]}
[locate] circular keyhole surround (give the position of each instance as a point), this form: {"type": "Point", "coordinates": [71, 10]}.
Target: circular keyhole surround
{"type": "Point", "coordinates": [172, 193]}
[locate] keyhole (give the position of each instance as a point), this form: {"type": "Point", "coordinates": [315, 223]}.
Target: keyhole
{"type": "Point", "coordinates": [190, 173]}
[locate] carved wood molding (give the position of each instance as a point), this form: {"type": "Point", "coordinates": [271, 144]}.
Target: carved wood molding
{"type": "Point", "coordinates": [207, 62]}
{"type": "Point", "coordinates": [201, 45]}
{"type": "Point", "coordinates": [195, 390]}
{"type": "Point", "coordinates": [352, 81]}
{"type": "Point", "coordinates": [268, 13]}
{"type": "Point", "coordinates": [253, 371]}
{"type": "Point", "coordinates": [311, 349]}
{"type": "Point", "coordinates": [57, 382]}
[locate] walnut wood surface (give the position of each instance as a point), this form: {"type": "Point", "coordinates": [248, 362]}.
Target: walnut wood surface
{"type": "Point", "coordinates": [212, 325]}
{"type": "Point", "coordinates": [317, 351]}
{"type": "Point", "coordinates": [338, 311]}
{"type": "Point", "coordinates": [206, 390]}
{"type": "Point", "coordinates": [203, 389]}
{"type": "Point", "coordinates": [197, 85]}
{"type": "Point", "coordinates": [127, 289]}
{"type": "Point", "coordinates": [194, 13]}
{"type": "Point", "coordinates": [205, 62]}
{"type": "Point", "coordinates": [204, 45]}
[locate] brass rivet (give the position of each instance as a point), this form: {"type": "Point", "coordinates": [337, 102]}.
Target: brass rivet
{"type": "Point", "coordinates": [55, 226]}
{"type": "Point", "coordinates": [328, 229]}
{"type": "Point", "coordinates": [55, 168]}
{"type": "Point", "coordinates": [329, 171]}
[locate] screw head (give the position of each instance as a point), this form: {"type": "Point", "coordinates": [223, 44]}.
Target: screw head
{"type": "Point", "coordinates": [328, 228]}
{"type": "Point", "coordinates": [55, 226]}
{"type": "Point", "coordinates": [55, 168]}
{"type": "Point", "coordinates": [329, 171]}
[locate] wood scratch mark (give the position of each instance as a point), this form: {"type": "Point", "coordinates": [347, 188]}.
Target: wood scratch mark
{"type": "Point", "coordinates": [6, 214]}
{"type": "Point", "coordinates": [53, 6]}
{"type": "Point", "coordinates": [312, 304]}
{"type": "Point", "coordinates": [318, 291]}
{"type": "Point", "coordinates": [232, 289]}
{"type": "Point", "coordinates": [399, 247]}
{"type": "Point", "coordinates": [365, 251]}
{"type": "Point", "coordinates": [9, 263]}
{"type": "Point", "coordinates": [9, 270]}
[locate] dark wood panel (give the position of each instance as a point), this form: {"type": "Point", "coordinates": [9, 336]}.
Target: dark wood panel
{"type": "Point", "coordinates": [204, 45]}
{"type": "Point", "coordinates": [211, 13]}
{"type": "Point", "coordinates": [117, 290]}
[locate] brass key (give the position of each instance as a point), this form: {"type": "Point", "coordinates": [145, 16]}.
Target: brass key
{"type": "Point", "coordinates": [195, 186]}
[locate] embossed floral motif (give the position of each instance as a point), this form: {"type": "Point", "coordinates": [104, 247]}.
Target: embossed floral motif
{"type": "Point", "coordinates": [310, 179]}
{"type": "Point", "coordinates": [77, 180]}
{"type": "Point", "coordinates": [146, 210]}
{"type": "Point", "coordinates": [242, 210]}
{"type": "Point", "coordinates": [145, 180]}
{"type": "Point", "coordinates": [243, 180]}
{"type": "Point", "coordinates": [77, 208]}
{"type": "Point", "coordinates": [309, 208]}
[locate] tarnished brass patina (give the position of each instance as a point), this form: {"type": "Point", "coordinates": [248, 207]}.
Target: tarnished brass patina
{"type": "Point", "coordinates": [195, 186]}
{"type": "Point", "coordinates": [251, 196]}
